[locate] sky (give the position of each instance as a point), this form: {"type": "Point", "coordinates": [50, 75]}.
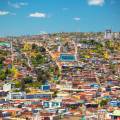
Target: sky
{"type": "Point", "coordinates": [30, 17]}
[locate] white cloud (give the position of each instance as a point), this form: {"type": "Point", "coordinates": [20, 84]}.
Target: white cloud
{"type": "Point", "coordinates": [77, 18]}
{"type": "Point", "coordinates": [38, 15]}
{"type": "Point", "coordinates": [2, 13]}
{"type": "Point", "coordinates": [96, 2]}
{"type": "Point", "coordinates": [17, 5]}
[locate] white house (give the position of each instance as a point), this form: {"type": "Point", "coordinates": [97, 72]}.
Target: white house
{"type": "Point", "coordinates": [16, 95]}
{"type": "Point", "coordinates": [8, 86]}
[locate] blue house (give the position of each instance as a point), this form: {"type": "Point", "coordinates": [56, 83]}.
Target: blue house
{"type": "Point", "coordinates": [45, 87]}
{"type": "Point", "coordinates": [50, 104]}
{"type": "Point", "coordinates": [115, 103]}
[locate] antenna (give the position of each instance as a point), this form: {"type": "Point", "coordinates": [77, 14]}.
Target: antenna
{"type": "Point", "coordinates": [11, 51]}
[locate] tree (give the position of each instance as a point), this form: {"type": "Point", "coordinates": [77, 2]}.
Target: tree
{"type": "Point", "coordinates": [1, 60]}
{"type": "Point", "coordinates": [106, 55]}
{"type": "Point", "coordinates": [42, 49]}
{"type": "Point", "coordinates": [43, 76]}
{"type": "Point", "coordinates": [22, 85]}
{"type": "Point", "coordinates": [56, 71]}
{"type": "Point", "coordinates": [2, 75]}
{"type": "Point", "coordinates": [8, 71]}
{"type": "Point", "coordinates": [39, 59]}
{"type": "Point", "coordinates": [34, 47]}
{"type": "Point", "coordinates": [55, 94]}
{"type": "Point", "coordinates": [17, 84]}
{"type": "Point", "coordinates": [28, 79]}
{"type": "Point", "coordinates": [27, 47]}
{"type": "Point", "coordinates": [103, 102]}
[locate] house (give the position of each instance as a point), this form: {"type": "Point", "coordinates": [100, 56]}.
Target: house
{"type": "Point", "coordinates": [16, 95]}
{"type": "Point", "coordinates": [114, 103]}
{"type": "Point", "coordinates": [116, 115]}
{"type": "Point", "coordinates": [8, 86]}
{"type": "Point", "coordinates": [42, 95]}
{"type": "Point", "coordinates": [45, 87]}
{"type": "Point", "coordinates": [50, 104]}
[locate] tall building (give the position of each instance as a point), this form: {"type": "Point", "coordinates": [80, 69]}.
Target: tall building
{"type": "Point", "coordinates": [59, 48]}
{"type": "Point", "coordinates": [108, 34]}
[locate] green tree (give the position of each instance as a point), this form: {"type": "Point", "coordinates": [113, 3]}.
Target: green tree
{"type": "Point", "coordinates": [34, 46]}
{"type": "Point", "coordinates": [39, 59]}
{"type": "Point", "coordinates": [28, 79]}
{"type": "Point", "coordinates": [22, 85]}
{"type": "Point", "coordinates": [43, 76]}
{"type": "Point", "coordinates": [42, 49]}
{"type": "Point", "coordinates": [2, 75]}
{"type": "Point", "coordinates": [103, 102]}
{"type": "Point", "coordinates": [55, 94]}
{"type": "Point", "coordinates": [17, 84]}
{"type": "Point", "coordinates": [8, 71]}
{"type": "Point", "coordinates": [1, 59]}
